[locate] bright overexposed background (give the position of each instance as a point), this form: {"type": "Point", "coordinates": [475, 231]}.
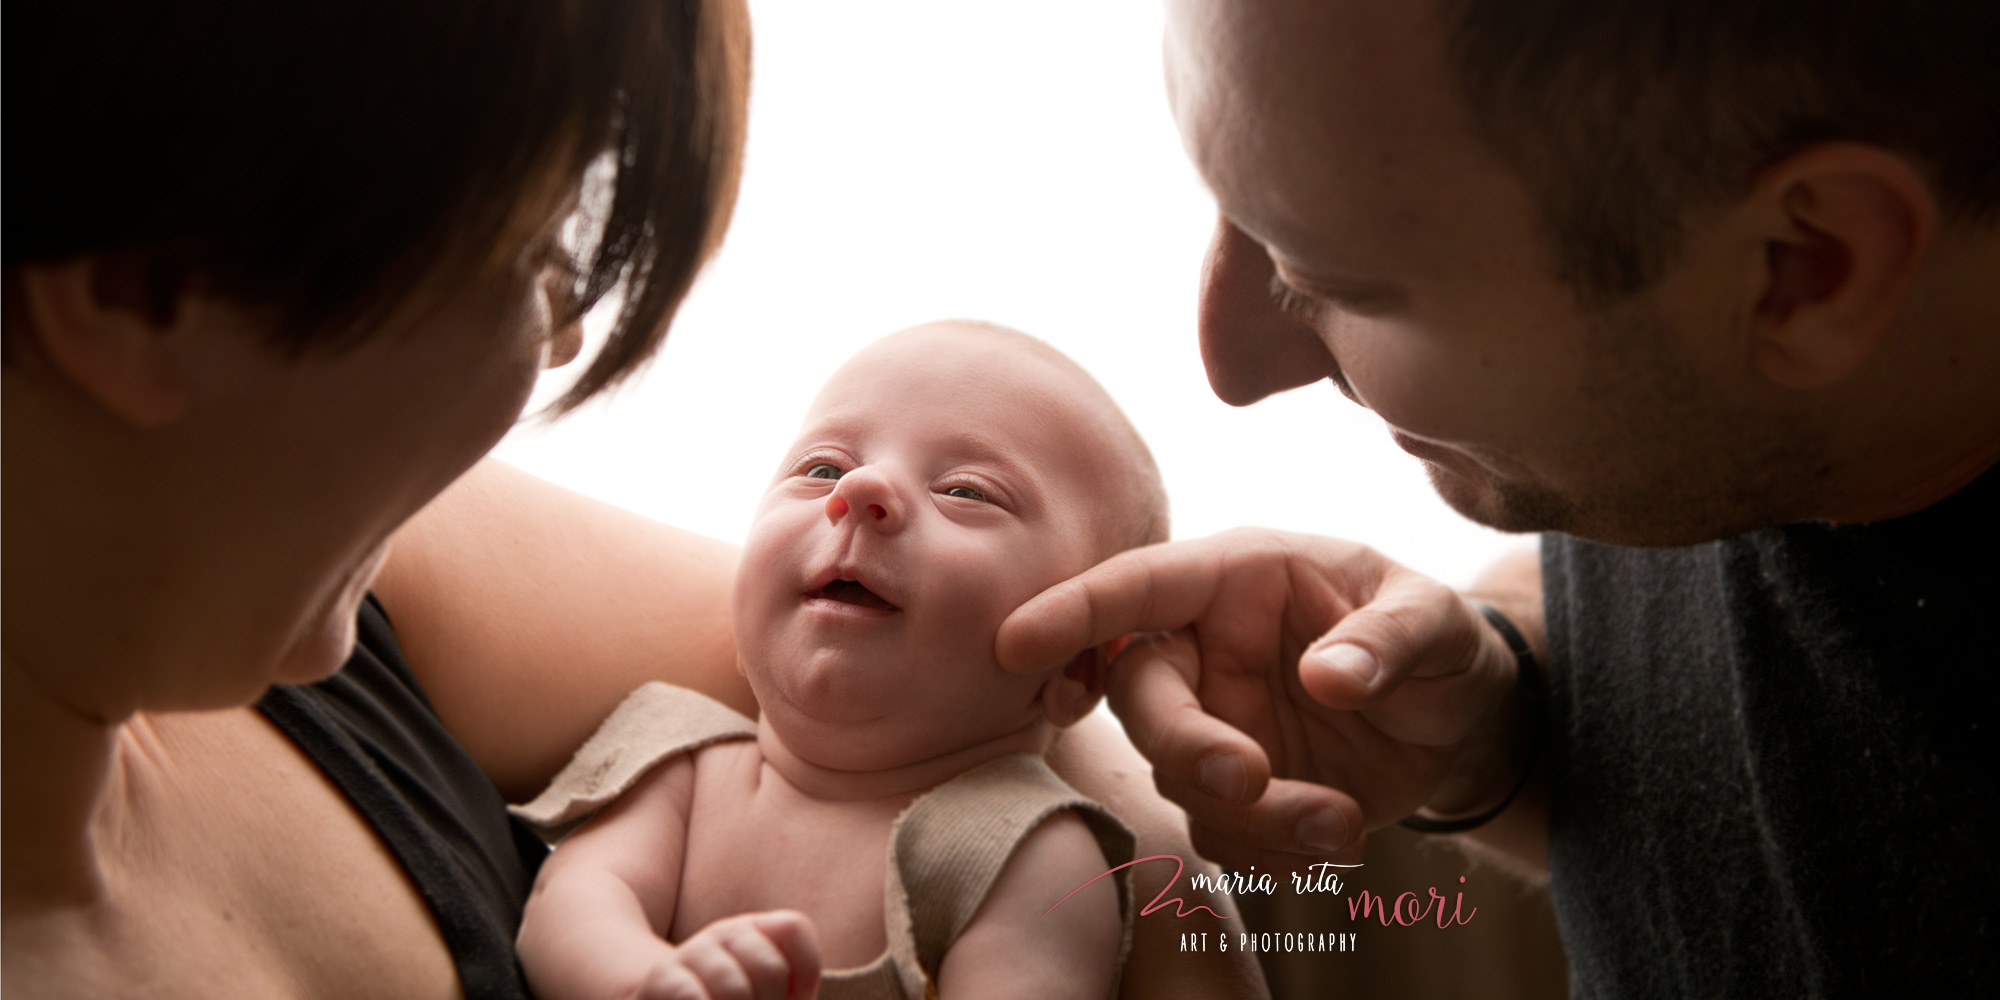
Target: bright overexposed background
{"type": "Point", "coordinates": [1013, 162]}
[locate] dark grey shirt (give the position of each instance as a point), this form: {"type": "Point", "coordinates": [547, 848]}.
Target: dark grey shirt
{"type": "Point", "coordinates": [1774, 759]}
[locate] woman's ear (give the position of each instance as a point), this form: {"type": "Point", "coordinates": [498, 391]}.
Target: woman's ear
{"type": "Point", "coordinates": [1849, 228]}
{"type": "Point", "coordinates": [1072, 692]}
{"type": "Point", "coordinates": [103, 327]}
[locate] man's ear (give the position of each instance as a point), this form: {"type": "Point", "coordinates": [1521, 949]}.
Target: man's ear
{"type": "Point", "coordinates": [1849, 226]}
{"type": "Point", "coordinates": [1072, 692]}
{"type": "Point", "coordinates": [100, 324]}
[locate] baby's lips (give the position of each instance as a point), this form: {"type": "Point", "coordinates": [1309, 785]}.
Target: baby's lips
{"type": "Point", "coordinates": [852, 593]}
{"type": "Point", "coordinates": [853, 575]}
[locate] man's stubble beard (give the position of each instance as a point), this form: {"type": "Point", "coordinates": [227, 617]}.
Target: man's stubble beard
{"type": "Point", "coordinates": [1669, 460]}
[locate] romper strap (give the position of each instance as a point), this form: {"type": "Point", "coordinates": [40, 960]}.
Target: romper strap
{"type": "Point", "coordinates": [656, 722]}
{"type": "Point", "coordinates": [950, 846]}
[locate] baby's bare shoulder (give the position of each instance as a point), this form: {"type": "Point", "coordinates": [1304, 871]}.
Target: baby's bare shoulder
{"type": "Point", "coordinates": [1075, 940]}
{"type": "Point", "coordinates": [1061, 849]}
{"type": "Point", "coordinates": [725, 759]}
{"type": "Point", "coordinates": [723, 773]}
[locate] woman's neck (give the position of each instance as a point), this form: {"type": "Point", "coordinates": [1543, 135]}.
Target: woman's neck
{"type": "Point", "coordinates": [58, 770]}
{"type": "Point", "coordinates": [902, 782]}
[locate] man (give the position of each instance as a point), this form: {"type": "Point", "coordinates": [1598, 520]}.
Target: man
{"type": "Point", "coordinates": [1711, 293]}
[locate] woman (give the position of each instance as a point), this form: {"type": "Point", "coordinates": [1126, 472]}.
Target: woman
{"type": "Point", "coordinates": [276, 275]}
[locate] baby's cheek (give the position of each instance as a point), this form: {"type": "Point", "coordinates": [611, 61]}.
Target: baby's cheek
{"type": "Point", "coordinates": [1021, 567]}
{"type": "Point", "coordinates": [995, 703]}
{"type": "Point", "coordinates": [761, 572]}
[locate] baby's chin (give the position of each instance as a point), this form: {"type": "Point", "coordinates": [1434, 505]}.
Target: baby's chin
{"type": "Point", "coordinates": [896, 736]}
{"type": "Point", "coordinates": [828, 693]}
{"type": "Point", "coordinates": [843, 711]}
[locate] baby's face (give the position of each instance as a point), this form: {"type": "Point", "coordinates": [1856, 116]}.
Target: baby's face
{"type": "Point", "coordinates": [941, 480]}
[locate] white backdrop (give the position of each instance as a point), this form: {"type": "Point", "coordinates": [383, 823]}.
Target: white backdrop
{"type": "Point", "coordinates": [1007, 161]}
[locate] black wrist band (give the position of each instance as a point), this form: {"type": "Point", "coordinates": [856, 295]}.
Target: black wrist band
{"type": "Point", "coordinates": [1528, 685]}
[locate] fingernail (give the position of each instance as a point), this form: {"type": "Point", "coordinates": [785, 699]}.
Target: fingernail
{"type": "Point", "coordinates": [1222, 776]}
{"type": "Point", "coordinates": [1358, 664]}
{"type": "Point", "coordinates": [1322, 831]}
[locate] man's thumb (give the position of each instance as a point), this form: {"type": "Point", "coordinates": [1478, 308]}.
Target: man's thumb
{"type": "Point", "coordinates": [1415, 626]}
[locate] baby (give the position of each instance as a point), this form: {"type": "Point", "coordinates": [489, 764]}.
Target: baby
{"type": "Point", "coordinates": [888, 816]}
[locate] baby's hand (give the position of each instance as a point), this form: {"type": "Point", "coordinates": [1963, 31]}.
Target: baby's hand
{"type": "Point", "coordinates": [756, 956]}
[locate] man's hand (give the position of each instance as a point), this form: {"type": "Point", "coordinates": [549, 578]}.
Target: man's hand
{"type": "Point", "coordinates": [1300, 690]}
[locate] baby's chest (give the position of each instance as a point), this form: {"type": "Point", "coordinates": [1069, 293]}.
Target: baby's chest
{"type": "Point", "coordinates": [750, 848]}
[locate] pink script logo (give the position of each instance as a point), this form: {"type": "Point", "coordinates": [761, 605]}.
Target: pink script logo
{"type": "Point", "coordinates": [1408, 908]}
{"type": "Point", "coordinates": [1181, 908]}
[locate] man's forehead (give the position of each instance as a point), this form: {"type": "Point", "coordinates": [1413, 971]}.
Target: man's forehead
{"type": "Point", "coordinates": [1304, 61]}
{"type": "Point", "coordinates": [1317, 124]}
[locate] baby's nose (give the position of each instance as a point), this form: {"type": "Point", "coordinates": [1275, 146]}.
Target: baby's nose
{"type": "Point", "coordinates": [837, 508]}
{"type": "Point", "coordinates": [870, 496]}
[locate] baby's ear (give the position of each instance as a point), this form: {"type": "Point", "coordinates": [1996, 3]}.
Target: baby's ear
{"type": "Point", "coordinates": [1070, 693]}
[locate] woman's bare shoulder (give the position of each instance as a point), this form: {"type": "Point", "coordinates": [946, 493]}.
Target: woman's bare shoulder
{"type": "Point", "coordinates": [213, 901]}
{"type": "Point", "coordinates": [527, 611]}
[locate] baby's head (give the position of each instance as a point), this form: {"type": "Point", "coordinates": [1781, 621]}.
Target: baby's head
{"type": "Point", "coordinates": [944, 476]}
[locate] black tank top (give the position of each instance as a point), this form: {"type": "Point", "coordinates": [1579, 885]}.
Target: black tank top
{"type": "Point", "coordinates": [370, 728]}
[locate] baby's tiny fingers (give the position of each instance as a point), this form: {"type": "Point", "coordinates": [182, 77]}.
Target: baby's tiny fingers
{"type": "Point", "coordinates": [765, 967]}
{"type": "Point", "coordinates": [709, 957]}
{"type": "Point", "coordinates": [672, 980]}
{"type": "Point", "coordinates": [756, 956]}
{"type": "Point", "coordinates": [793, 933]}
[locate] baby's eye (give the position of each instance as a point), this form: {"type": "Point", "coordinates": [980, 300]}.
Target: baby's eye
{"type": "Point", "coordinates": [965, 493]}
{"type": "Point", "coordinates": [823, 470]}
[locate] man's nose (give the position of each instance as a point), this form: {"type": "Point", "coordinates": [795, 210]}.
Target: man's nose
{"type": "Point", "coordinates": [868, 496]}
{"type": "Point", "coordinates": [1251, 347]}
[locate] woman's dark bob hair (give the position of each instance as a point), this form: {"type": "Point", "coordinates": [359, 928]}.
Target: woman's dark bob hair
{"type": "Point", "coordinates": [324, 159]}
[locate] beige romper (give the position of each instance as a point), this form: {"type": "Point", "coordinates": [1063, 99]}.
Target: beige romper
{"type": "Point", "coordinates": [945, 850]}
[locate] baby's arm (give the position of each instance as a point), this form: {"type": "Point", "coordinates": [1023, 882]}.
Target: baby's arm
{"type": "Point", "coordinates": [597, 921]}
{"type": "Point", "coordinates": [1010, 949]}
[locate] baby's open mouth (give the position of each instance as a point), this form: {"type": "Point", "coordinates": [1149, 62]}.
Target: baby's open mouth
{"type": "Point", "coordinates": [852, 592]}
